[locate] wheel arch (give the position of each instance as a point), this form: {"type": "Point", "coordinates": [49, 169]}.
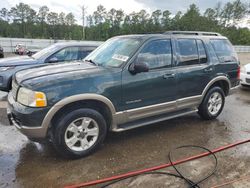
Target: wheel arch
{"type": "Point", "coordinates": [105, 106]}
{"type": "Point", "coordinates": [221, 81]}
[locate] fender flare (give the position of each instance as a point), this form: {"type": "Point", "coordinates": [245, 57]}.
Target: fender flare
{"type": "Point", "coordinates": [218, 78]}
{"type": "Point", "coordinates": [81, 97]}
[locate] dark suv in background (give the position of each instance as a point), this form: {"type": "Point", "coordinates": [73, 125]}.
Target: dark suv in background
{"type": "Point", "coordinates": [56, 53]}
{"type": "Point", "coordinates": [128, 82]}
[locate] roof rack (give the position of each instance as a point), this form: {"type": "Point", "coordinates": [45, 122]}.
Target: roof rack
{"type": "Point", "coordinates": [192, 33]}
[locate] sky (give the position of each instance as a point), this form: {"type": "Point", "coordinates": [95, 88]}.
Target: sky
{"type": "Point", "coordinates": [127, 5]}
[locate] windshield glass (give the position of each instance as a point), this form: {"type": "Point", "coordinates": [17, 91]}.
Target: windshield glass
{"type": "Point", "coordinates": [44, 52]}
{"type": "Point", "coordinates": [114, 52]}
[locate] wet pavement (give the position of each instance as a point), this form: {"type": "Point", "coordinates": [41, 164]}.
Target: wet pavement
{"type": "Point", "coordinates": [27, 164]}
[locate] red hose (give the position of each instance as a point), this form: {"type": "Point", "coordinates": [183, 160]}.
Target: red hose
{"type": "Point", "coordinates": [95, 182]}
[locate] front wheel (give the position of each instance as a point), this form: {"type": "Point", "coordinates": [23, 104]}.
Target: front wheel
{"type": "Point", "coordinates": [79, 133]}
{"type": "Point", "coordinates": [213, 104]}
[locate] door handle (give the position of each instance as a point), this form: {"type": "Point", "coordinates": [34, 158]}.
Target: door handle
{"type": "Point", "coordinates": [208, 69]}
{"type": "Point", "coordinates": [167, 76]}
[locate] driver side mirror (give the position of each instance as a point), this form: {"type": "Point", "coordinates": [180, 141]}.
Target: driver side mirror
{"type": "Point", "coordinates": [53, 60]}
{"type": "Point", "coordinates": [135, 68]}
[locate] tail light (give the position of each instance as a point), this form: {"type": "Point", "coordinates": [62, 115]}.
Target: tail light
{"type": "Point", "coordinates": [238, 73]}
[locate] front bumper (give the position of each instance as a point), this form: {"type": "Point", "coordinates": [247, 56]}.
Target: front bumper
{"type": "Point", "coordinates": [26, 119]}
{"type": "Point", "coordinates": [245, 79]}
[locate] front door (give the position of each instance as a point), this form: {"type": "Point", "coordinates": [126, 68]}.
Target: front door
{"type": "Point", "coordinates": [148, 90]}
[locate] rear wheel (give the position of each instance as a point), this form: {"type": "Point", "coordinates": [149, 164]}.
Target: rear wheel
{"type": "Point", "coordinates": [213, 104]}
{"type": "Point", "coordinates": [79, 133]}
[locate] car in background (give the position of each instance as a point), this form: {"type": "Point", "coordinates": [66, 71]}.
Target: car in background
{"type": "Point", "coordinates": [245, 75]}
{"type": "Point", "coordinates": [56, 53]}
{"type": "Point", "coordinates": [1, 52]}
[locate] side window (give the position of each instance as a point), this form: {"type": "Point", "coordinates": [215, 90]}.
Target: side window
{"type": "Point", "coordinates": [66, 54]}
{"type": "Point", "coordinates": [156, 54]}
{"type": "Point", "coordinates": [202, 52]}
{"type": "Point", "coordinates": [188, 52]}
{"type": "Point", "coordinates": [84, 51]}
{"type": "Point", "coordinates": [224, 50]}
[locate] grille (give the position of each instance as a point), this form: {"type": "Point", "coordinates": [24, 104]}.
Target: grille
{"type": "Point", "coordinates": [14, 89]}
{"type": "Point", "coordinates": [248, 80]}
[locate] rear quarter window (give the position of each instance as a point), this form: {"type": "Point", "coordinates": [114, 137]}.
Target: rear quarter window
{"type": "Point", "coordinates": [224, 50]}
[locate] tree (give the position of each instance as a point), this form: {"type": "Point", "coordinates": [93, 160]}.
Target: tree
{"type": "Point", "coordinates": [4, 14]}
{"type": "Point", "coordinates": [41, 18]}
{"type": "Point", "coordinates": [23, 21]}
{"type": "Point", "coordinates": [70, 19]}
{"type": "Point", "coordinates": [99, 15]}
{"type": "Point", "coordinates": [62, 19]}
{"type": "Point", "coordinates": [191, 20]}
{"type": "Point", "coordinates": [53, 20]}
{"type": "Point", "coordinates": [23, 13]}
{"type": "Point", "coordinates": [166, 20]}
{"type": "Point", "coordinates": [210, 14]}
{"type": "Point", "coordinates": [233, 12]}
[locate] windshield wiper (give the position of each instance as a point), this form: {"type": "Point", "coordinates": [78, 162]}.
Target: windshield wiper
{"type": "Point", "coordinates": [91, 61]}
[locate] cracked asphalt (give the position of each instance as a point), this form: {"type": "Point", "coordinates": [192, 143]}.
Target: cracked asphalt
{"type": "Point", "coordinates": [27, 164]}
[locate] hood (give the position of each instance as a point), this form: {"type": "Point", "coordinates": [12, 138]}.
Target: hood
{"type": "Point", "coordinates": [16, 61]}
{"type": "Point", "coordinates": [55, 69]}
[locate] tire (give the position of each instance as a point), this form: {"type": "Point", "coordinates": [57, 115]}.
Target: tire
{"type": "Point", "coordinates": [72, 136]}
{"type": "Point", "coordinates": [212, 106]}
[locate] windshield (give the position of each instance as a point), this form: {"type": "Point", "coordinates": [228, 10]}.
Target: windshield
{"type": "Point", "coordinates": [44, 52]}
{"type": "Point", "coordinates": [114, 52]}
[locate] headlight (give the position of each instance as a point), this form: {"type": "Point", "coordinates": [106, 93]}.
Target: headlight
{"type": "Point", "coordinates": [243, 69]}
{"type": "Point", "coordinates": [31, 98]}
{"type": "Point", "coordinates": [5, 68]}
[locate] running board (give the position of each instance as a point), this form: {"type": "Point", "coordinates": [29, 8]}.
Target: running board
{"type": "Point", "coordinates": [152, 120]}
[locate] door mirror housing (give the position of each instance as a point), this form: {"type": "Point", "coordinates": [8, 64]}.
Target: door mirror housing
{"type": "Point", "coordinates": [135, 68]}
{"type": "Point", "coordinates": [53, 60]}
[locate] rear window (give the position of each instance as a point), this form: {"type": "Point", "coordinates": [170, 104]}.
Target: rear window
{"type": "Point", "coordinates": [224, 50]}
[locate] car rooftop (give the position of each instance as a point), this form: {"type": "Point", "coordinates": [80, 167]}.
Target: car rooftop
{"type": "Point", "coordinates": [81, 43]}
{"type": "Point", "coordinates": [196, 34]}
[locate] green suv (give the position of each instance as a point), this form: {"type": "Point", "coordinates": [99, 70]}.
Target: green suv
{"type": "Point", "coordinates": [128, 82]}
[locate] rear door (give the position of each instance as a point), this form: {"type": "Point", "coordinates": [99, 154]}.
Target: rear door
{"type": "Point", "coordinates": [193, 67]}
